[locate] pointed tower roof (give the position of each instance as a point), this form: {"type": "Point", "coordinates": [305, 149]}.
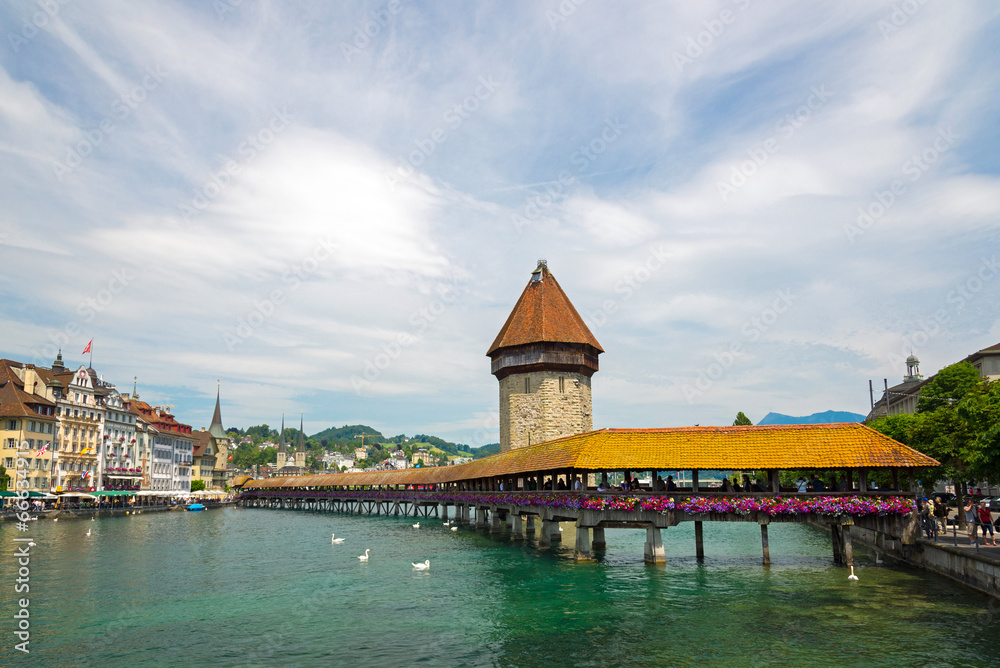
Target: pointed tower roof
{"type": "Point", "coordinates": [543, 314]}
{"type": "Point", "coordinates": [281, 437]}
{"type": "Point", "coordinates": [216, 429]}
{"type": "Point", "coordinates": [301, 447]}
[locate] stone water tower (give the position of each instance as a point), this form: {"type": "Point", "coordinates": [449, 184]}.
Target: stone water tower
{"type": "Point", "coordinates": [543, 357]}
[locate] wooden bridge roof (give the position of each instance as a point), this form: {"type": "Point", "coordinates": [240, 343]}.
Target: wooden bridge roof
{"type": "Point", "coordinates": [791, 447]}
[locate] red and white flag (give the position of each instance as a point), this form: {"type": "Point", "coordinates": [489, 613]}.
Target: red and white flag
{"type": "Point", "coordinates": [87, 349]}
{"type": "Point", "coordinates": [44, 449]}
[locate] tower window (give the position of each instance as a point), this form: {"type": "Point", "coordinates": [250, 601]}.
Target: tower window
{"type": "Point", "coordinates": [562, 383]}
{"type": "Point", "coordinates": [527, 385]}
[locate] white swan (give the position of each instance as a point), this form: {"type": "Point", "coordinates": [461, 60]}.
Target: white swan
{"type": "Point", "coordinates": [417, 525]}
{"type": "Point", "coordinates": [852, 576]}
{"type": "Point", "coordinates": [424, 566]}
{"type": "Point", "coordinates": [91, 519]}
{"type": "Point", "coordinates": [364, 557]}
{"type": "Point", "coordinates": [454, 528]}
{"type": "Point", "coordinates": [88, 532]}
{"type": "Point", "coordinates": [335, 540]}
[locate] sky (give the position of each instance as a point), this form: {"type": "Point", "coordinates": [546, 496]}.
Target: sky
{"type": "Point", "coordinates": [329, 209]}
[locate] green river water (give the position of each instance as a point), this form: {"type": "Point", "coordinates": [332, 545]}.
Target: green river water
{"type": "Point", "coordinates": [253, 587]}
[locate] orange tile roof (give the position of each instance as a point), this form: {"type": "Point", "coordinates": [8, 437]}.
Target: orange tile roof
{"type": "Point", "coordinates": [794, 447]}
{"type": "Point", "coordinates": [543, 314]}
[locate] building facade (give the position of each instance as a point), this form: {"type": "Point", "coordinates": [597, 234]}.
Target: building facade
{"type": "Point", "coordinates": [28, 424]}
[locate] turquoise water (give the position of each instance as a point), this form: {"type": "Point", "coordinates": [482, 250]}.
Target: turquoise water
{"type": "Point", "coordinates": [239, 587]}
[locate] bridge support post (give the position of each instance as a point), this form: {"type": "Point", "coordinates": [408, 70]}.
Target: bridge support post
{"type": "Point", "coordinates": [848, 549]}
{"type": "Point", "coordinates": [699, 541]}
{"type": "Point", "coordinates": [653, 551]}
{"type": "Point", "coordinates": [480, 517]}
{"type": "Point", "coordinates": [531, 524]}
{"type": "Point", "coordinates": [517, 533]}
{"type": "Point", "coordinates": [763, 541]}
{"type": "Point", "coordinates": [494, 521]}
{"type": "Point", "coordinates": [545, 537]}
{"type": "Point", "coordinates": [835, 537]}
{"type": "Point", "coordinates": [556, 536]}
{"type": "Point", "coordinates": [582, 543]}
{"type": "Point", "coordinates": [598, 542]}
{"type": "Point", "coordinates": [444, 512]}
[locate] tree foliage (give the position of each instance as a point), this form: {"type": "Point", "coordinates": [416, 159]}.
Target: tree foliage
{"type": "Point", "coordinates": [197, 485]}
{"type": "Point", "coordinates": [741, 420]}
{"type": "Point", "coordinates": [957, 423]}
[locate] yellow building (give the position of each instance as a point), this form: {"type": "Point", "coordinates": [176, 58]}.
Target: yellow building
{"type": "Point", "coordinates": [27, 425]}
{"type": "Point", "coordinates": [79, 398]}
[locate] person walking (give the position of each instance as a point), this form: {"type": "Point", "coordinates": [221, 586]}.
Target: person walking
{"type": "Point", "coordinates": [986, 521]}
{"type": "Point", "coordinates": [941, 513]}
{"type": "Point", "coordinates": [972, 521]}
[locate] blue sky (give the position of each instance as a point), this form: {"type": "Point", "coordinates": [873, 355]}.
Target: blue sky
{"type": "Point", "coordinates": [755, 206]}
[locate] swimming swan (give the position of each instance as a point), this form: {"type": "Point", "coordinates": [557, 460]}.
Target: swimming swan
{"type": "Point", "coordinates": [422, 567]}
{"type": "Point", "coordinates": [364, 557]}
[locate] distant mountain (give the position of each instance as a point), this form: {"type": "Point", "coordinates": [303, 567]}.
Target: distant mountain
{"type": "Point", "coordinates": [815, 418]}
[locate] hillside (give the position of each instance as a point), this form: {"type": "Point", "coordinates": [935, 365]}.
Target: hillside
{"type": "Point", "coordinates": [816, 418]}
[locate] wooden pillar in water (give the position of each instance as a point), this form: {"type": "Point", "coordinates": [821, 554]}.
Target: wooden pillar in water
{"type": "Point", "coordinates": [848, 549]}
{"type": "Point", "coordinates": [517, 532]}
{"type": "Point", "coordinates": [763, 542]}
{"type": "Point", "coordinates": [494, 521]}
{"type": "Point", "coordinates": [582, 542]}
{"type": "Point", "coordinates": [480, 517]}
{"type": "Point", "coordinates": [699, 541]}
{"type": "Point", "coordinates": [531, 524]}
{"type": "Point", "coordinates": [653, 552]}
{"type": "Point", "coordinates": [444, 512]}
{"type": "Point", "coordinates": [598, 542]}
{"type": "Point", "coordinates": [835, 537]}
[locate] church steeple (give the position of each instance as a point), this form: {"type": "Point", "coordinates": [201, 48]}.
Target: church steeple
{"type": "Point", "coordinates": [282, 458]}
{"type": "Point", "coordinates": [216, 429]}
{"type": "Point", "coordinates": [301, 447]}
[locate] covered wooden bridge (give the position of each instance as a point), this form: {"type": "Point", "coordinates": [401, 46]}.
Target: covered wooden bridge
{"type": "Point", "coordinates": [566, 480]}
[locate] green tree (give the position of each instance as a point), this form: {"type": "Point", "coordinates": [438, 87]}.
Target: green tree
{"type": "Point", "coordinates": [947, 387]}
{"type": "Point", "coordinates": [741, 420]}
{"type": "Point", "coordinates": [197, 485]}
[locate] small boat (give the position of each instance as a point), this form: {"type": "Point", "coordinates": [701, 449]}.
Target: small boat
{"type": "Point", "coordinates": [195, 507]}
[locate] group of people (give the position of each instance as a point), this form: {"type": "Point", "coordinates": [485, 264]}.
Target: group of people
{"type": "Point", "coordinates": [934, 520]}
{"type": "Point", "coordinates": [976, 516]}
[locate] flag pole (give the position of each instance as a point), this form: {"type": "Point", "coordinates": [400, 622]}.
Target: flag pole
{"type": "Point", "coordinates": [91, 346]}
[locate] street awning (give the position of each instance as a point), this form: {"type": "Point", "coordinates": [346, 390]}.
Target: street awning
{"type": "Point", "coordinates": [114, 492]}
